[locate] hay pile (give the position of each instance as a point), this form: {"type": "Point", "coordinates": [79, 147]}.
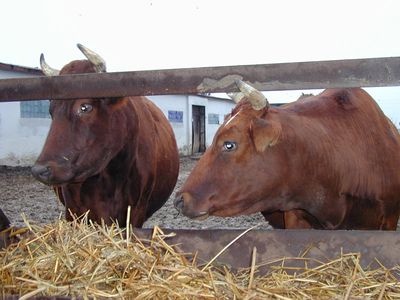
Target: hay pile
{"type": "Point", "coordinates": [88, 260]}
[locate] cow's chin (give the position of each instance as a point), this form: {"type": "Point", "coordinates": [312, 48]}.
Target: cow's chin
{"type": "Point", "coordinates": [201, 217]}
{"type": "Point", "coordinates": [221, 212]}
{"type": "Point", "coordinates": [59, 180]}
{"type": "Point", "coordinates": [235, 211]}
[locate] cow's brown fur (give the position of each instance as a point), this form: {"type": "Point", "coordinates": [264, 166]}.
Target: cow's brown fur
{"type": "Point", "coordinates": [121, 153]}
{"type": "Point", "coordinates": [329, 161]}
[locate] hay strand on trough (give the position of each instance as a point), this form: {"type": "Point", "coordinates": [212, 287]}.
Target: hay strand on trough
{"type": "Point", "coordinates": [83, 259]}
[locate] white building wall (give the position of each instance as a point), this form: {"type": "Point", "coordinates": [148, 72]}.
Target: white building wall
{"type": "Point", "coordinates": [184, 103]}
{"type": "Point", "coordinates": [220, 107]}
{"type": "Point", "coordinates": [181, 129]}
{"type": "Point", "coordinates": [21, 139]}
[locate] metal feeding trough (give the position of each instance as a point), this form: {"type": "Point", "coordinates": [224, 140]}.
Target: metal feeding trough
{"type": "Point", "coordinates": [374, 246]}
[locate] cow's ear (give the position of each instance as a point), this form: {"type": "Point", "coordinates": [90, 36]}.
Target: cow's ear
{"type": "Point", "coordinates": [265, 133]}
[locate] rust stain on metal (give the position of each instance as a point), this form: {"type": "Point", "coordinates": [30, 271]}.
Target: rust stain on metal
{"type": "Point", "coordinates": [209, 84]}
{"type": "Point", "coordinates": [283, 76]}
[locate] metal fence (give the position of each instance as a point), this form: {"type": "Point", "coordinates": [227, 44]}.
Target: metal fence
{"type": "Point", "coordinates": [375, 72]}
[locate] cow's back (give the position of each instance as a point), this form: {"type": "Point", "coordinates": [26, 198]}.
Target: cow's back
{"type": "Point", "coordinates": [351, 144]}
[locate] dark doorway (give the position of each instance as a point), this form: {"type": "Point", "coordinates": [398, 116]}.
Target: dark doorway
{"type": "Point", "coordinates": [198, 129]}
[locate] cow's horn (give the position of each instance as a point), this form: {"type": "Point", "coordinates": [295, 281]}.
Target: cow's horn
{"type": "Point", "coordinates": [46, 69]}
{"type": "Point", "coordinates": [94, 58]}
{"type": "Point", "coordinates": [236, 97]}
{"type": "Point", "coordinates": [257, 99]}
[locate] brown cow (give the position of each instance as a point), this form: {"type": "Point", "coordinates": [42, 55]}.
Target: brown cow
{"type": "Point", "coordinates": [329, 161]}
{"type": "Point", "coordinates": [102, 155]}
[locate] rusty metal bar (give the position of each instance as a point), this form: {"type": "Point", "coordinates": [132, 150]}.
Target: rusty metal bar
{"type": "Point", "coordinates": [283, 76]}
{"type": "Point", "coordinates": [275, 244]}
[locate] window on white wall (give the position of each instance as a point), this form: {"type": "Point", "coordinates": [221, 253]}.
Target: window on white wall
{"type": "Point", "coordinates": [213, 119]}
{"type": "Point", "coordinates": [35, 109]}
{"type": "Point", "coordinates": [175, 116]}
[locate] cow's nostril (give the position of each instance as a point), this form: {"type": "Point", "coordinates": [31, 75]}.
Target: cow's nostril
{"type": "Point", "coordinates": [178, 203]}
{"type": "Point", "coordinates": [41, 172]}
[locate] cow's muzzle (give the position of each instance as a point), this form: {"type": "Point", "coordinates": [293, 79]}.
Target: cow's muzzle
{"type": "Point", "coordinates": [184, 204]}
{"type": "Point", "coordinates": [42, 173]}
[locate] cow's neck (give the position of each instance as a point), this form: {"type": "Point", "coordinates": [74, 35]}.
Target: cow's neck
{"type": "Point", "coordinates": [310, 186]}
{"type": "Point", "coordinates": [119, 182]}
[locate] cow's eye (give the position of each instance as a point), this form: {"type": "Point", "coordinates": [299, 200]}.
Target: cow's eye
{"type": "Point", "coordinates": [85, 108]}
{"type": "Point", "coordinates": [229, 146]}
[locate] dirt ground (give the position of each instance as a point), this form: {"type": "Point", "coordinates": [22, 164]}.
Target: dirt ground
{"type": "Point", "coordinates": [20, 194]}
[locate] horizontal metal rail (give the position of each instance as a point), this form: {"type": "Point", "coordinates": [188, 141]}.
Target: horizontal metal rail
{"type": "Point", "coordinates": [370, 72]}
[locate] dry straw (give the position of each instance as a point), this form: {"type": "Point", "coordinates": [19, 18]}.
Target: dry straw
{"type": "Point", "coordinates": [82, 259]}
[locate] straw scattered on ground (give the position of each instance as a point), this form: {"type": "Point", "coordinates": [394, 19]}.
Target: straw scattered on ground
{"type": "Point", "coordinates": [83, 259]}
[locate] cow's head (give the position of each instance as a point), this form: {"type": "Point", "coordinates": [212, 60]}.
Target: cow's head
{"type": "Point", "coordinates": [85, 134]}
{"type": "Point", "coordinates": [241, 167]}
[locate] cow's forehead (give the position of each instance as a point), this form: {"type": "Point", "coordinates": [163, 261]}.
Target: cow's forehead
{"type": "Point", "coordinates": [240, 116]}
{"type": "Point", "coordinates": [64, 103]}
{"type": "Point", "coordinates": [59, 103]}
{"type": "Point", "coordinates": [231, 118]}
{"type": "Point", "coordinates": [234, 125]}
{"type": "Point", "coordinates": [78, 67]}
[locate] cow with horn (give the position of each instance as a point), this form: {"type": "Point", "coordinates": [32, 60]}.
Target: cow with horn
{"type": "Point", "coordinates": [329, 161]}
{"type": "Point", "coordinates": [103, 155]}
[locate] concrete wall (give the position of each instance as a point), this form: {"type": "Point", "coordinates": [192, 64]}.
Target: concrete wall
{"type": "Point", "coordinates": [21, 139]}
{"type": "Point", "coordinates": [184, 103]}
{"type": "Point", "coordinates": [176, 103]}
{"type": "Point", "coordinates": [220, 108]}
